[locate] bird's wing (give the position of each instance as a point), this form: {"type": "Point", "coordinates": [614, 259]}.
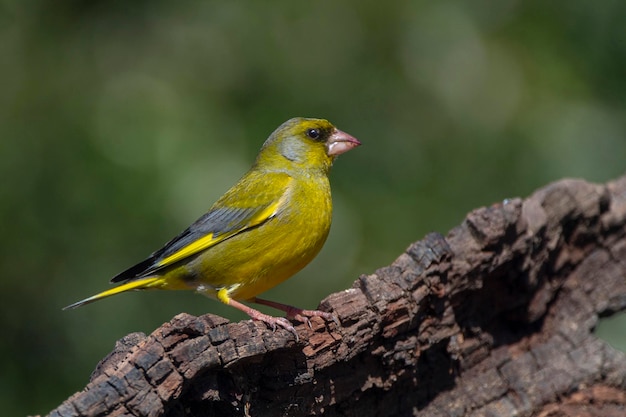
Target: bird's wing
{"type": "Point", "coordinates": [250, 203]}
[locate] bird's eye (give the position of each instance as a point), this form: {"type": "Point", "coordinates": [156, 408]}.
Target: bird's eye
{"type": "Point", "coordinates": [313, 133]}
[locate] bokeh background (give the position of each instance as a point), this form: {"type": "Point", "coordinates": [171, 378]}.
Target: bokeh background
{"type": "Point", "coordinates": [121, 122]}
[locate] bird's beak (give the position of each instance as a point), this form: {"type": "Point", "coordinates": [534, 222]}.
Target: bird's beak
{"type": "Point", "coordinates": [340, 142]}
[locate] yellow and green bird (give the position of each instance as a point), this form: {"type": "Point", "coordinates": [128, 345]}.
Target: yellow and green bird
{"type": "Point", "coordinates": [266, 228]}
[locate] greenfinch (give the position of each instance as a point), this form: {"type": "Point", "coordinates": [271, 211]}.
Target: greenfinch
{"type": "Point", "coordinates": [266, 228]}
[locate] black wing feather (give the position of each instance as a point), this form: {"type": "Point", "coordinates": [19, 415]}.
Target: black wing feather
{"type": "Point", "coordinates": [217, 221]}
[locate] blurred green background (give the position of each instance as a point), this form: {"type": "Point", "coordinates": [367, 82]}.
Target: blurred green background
{"type": "Point", "coordinates": [121, 122]}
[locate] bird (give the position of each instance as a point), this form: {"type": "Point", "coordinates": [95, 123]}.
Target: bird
{"type": "Point", "coordinates": [262, 231]}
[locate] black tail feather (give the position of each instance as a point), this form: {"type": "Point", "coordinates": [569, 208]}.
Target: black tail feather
{"type": "Point", "coordinates": [140, 270]}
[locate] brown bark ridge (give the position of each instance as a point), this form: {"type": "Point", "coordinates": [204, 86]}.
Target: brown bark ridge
{"type": "Point", "coordinates": [495, 319]}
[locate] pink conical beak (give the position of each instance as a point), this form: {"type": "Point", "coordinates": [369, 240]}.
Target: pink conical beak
{"type": "Point", "coordinates": [340, 142]}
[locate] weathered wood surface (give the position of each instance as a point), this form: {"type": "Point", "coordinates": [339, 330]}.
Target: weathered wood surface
{"type": "Point", "coordinates": [495, 319]}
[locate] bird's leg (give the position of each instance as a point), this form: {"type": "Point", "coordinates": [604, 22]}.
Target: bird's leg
{"type": "Point", "coordinates": [223, 296]}
{"type": "Point", "coordinates": [295, 312]}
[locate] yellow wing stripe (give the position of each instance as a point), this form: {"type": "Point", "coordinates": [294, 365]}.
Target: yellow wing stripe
{"type": "Point", "coordinates": [209, 240]}
{"type": "Point", "coordinates": [194, 247]}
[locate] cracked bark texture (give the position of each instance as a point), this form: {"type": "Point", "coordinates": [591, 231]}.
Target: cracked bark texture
{"type": "Point", "coordinates": [494, 319]}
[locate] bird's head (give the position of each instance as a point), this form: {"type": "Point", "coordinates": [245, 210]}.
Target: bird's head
{"type": "Point", "coordinates": [305, 144]}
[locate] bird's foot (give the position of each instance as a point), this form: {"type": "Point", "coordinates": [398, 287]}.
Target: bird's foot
{"type": "Point", "coordinates": [272, 322]}
{"type": "Point", "coordinates": [303, 316]}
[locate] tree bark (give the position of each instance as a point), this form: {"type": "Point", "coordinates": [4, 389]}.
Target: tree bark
{"type": "Point", "coordinates": [495, 319]}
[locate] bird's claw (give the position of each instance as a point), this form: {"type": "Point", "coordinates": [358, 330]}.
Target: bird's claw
{"type": "Point", "coordinates": [295, 313]}
{"type": "Point", "coordinates": [303, 316]}
{"type": "Point", "coordinates": [282, 322]}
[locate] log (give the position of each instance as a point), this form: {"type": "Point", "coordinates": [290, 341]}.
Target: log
{"type": "Point", "coordinates": [494, 319]}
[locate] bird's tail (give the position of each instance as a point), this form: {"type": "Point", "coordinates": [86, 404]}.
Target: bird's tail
{"type": "Point", "coordinates": [140, 284]}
